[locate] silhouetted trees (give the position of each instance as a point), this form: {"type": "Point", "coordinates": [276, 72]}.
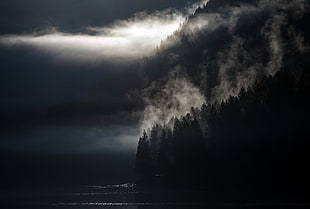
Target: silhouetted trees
{"type": "Point", "coordinates": [254, 140]}
{"type": "Point", "coordinates": [178, 153]}
{"type": "Point", "coordinates": [143, 158]}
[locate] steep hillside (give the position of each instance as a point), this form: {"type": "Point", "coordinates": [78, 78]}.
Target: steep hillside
{"type": "Point", "coordinates": [250, 61]}
{"type": "Point", "coordinates": [230, 44]}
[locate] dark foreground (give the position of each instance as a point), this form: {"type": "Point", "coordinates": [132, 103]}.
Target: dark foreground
{"type": "Point", "coordinates": [130, 196]}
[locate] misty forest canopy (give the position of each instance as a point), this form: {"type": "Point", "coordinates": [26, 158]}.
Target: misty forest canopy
{"type": "Point", "coordinates": [250, 62]}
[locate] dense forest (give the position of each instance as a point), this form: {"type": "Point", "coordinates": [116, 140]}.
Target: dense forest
{"type": "Point", "coordinates": [257, 140]}
{"type": "Point", "coordinates": [251, 63]}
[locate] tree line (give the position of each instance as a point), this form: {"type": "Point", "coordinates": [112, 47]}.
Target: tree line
{"type": "Point", "coordinates": [256, 140]}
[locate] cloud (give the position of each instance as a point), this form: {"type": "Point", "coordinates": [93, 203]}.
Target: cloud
{"type": "Point", "coordinates": [130, 41]}
{"type": "Point", "coordinates": [72, 16]}
{"type": "Point", "coordinates": [124, 40]}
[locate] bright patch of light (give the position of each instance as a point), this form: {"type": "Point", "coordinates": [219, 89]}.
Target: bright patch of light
{"type": "Point", "coordinates": [120, 42]}
{"type": "Point", "coordinates": [124, 40]}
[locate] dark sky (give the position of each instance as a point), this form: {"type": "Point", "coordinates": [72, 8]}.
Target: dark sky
{"type": "Point", "coordinates": [56, 111]}
{"type": "Point", "coordinates": [72, 15]}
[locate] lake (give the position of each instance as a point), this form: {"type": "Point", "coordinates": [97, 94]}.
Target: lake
{"type": "Point", "coordinates": [130, 196]}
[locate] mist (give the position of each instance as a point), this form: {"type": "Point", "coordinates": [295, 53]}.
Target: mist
{"type": "Point", "coordinates": [175, 98]}
{"type": "Point", "coordinates": [223, 49]}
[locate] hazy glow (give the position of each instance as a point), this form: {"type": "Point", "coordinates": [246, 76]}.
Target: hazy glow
{"type": "Point", "coordinates": [122, 41]}
{"type": "Point", "coordinates": [126, 40]}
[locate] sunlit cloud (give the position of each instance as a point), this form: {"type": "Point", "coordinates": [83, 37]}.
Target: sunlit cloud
{"type": "Point", "coordinates": [125, 40]}
{"type": "Point", "coordinates": [122, 41]}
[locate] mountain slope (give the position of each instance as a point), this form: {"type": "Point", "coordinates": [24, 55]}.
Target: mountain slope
{"type": "Point", "coordinates": [251, 64]}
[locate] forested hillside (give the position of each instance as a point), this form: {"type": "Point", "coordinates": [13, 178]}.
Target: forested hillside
{"type": "Point", "coordinates": [256, 140]}
{"type": "Point", "coordinates": [250, 60]}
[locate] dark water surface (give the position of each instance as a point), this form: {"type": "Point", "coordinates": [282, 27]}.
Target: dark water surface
{"type": "Point", "coordinates": [129, 196]}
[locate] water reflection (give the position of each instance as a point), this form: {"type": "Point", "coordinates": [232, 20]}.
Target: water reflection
{"type": "Point", "coordinates": [130, 196]}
